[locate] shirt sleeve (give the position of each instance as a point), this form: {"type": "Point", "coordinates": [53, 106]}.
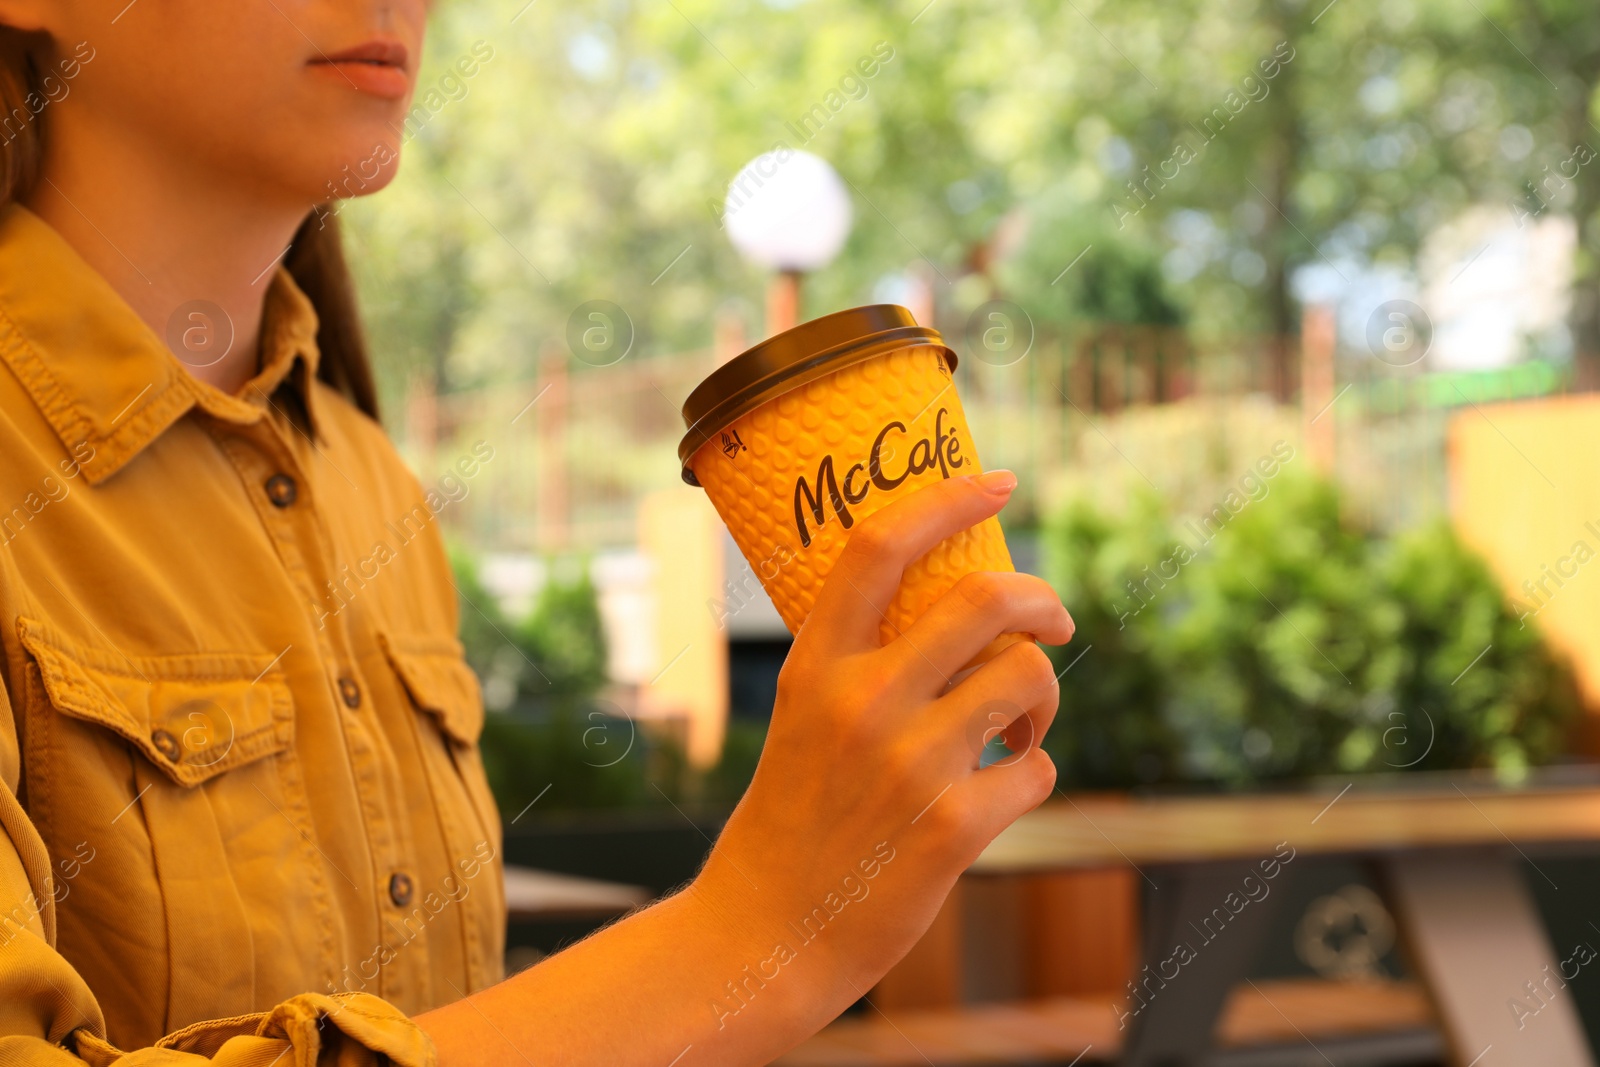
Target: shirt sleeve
{"type": "Point", "coordinates": [49, 1017]}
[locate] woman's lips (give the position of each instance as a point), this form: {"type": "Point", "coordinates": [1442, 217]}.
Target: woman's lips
{"type": "Point", "coordinates": [376, 67]}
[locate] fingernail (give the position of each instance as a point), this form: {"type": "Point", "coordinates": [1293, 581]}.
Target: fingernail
{"type": "Point", "coordinates": [1001, 481]}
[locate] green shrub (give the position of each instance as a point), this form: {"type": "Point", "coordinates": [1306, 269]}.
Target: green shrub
{"type": "Point", "coordinates": [555, 656]}
{"type": "Point", "coordinates": [567, 759]}
{"type": "Point", "coordinates": [596, 759]}
{"type": "Point", "coordinates": [550, 734]}
{"type": "Point", "coordinates": [1289, 642]}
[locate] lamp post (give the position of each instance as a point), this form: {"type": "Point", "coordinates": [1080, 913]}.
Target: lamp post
{"type": "Point", "coordinates": [787, 211]}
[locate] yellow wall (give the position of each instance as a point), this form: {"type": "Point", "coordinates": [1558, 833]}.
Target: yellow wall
{"type": "Point", "coordinates": [681, 534]}
{"type": "Point", "coordinates": [1525, 492]}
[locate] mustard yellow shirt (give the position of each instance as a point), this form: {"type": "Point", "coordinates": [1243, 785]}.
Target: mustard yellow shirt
{"type": "Point", "coordinates": [243, 812]}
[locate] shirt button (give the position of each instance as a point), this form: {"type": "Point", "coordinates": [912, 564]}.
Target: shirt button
{"type": "Point", "coordinates": [400, 889]}
{"type": "Point", "coordinates": [350, 692]}
{"type": "Point", "coordinates": [166, 744]}
{"type": "Point", "coordinates": [281, 490]}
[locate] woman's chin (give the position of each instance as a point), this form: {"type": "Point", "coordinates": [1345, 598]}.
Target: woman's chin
{"type": "Point", "coordinates": [364, 166]}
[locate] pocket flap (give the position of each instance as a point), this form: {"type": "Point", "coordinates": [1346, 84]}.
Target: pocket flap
{"type": "Point", "coordinates": [436, 675]}
{"type": "Point", "coordinates": [193, 716]}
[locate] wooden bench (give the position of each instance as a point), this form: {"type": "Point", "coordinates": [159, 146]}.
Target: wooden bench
{"type": "Point", "coordinates": [537, 896]}
{"type": "Point", "coordinates": [1323, 1019]}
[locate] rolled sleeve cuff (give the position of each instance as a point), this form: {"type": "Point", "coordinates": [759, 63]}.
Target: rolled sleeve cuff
{"type": "Point", "coordinates": [346, 1029]}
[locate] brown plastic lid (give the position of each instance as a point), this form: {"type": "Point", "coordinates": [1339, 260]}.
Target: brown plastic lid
{"type": "Point", "coordinates": [793, 358]}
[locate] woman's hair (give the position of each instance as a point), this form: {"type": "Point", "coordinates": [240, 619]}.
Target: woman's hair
{"type": "Point", "coordinates": [315, 258]}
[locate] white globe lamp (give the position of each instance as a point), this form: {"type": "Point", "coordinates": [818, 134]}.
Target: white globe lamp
{"type": "Point", "coordinates": [787, 211]}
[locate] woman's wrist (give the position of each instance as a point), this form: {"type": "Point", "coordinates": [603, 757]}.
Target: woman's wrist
{"type": "Point", "coordinates": [785, 974]}
{"type": "Point", "coordinates": [825, 916]}
{"type": "Point", "coordinates": [747, 981]}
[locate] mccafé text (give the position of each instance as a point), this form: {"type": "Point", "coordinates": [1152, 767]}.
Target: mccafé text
{"type": "Point", "coordinates": [942, 450]}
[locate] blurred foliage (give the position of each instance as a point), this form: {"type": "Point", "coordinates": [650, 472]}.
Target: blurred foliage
{"type": "Point", "coordinates": [1284, 642]}
{"type": "Point", "coordinates": [599, 760]}
{"type": "Point", "coordinates": [551, 736]}
{"type": "Point", "coordinates": [1197, 153]}
{"type": "Point", "coordinates": [554, 656]}
{"type": "Point", "coordinates": [1118, 280]}
{"type": "Point", "coordinates": [1175, 164]}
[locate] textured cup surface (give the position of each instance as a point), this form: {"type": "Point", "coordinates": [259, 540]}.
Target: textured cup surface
{"type": "Point", "coordinates": [794, 476]}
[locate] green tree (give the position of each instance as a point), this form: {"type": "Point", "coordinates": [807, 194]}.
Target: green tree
{"type": "Point", "coordinates": [1200, 154]}
{"type": "Point", "coordinates": [1535, 65]}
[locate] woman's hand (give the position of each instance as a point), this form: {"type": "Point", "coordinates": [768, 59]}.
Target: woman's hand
{"type": "Point", "coordinates": [868, 801]}
{"type": "Point", "coordinates": [867, 805]}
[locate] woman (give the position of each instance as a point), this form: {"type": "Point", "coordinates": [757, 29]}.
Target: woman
{"type": "Point", "coordinates": [244, 815]}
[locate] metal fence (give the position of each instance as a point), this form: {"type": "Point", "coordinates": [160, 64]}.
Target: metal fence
{"type": "Point", "coordinates": [575, 448]}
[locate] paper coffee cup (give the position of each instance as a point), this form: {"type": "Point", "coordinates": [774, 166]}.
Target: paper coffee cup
{"type": "Point", "coordinates": [799, 439]}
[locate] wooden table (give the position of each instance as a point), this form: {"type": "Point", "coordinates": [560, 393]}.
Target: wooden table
{"type": "Point", "coordinates": [1265, 1022]}
{"type": "Point", "coordinates": [1448, 857]}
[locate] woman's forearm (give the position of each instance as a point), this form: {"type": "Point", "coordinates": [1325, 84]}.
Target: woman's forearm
{"type": "Point", "coordinates": [677, 983]}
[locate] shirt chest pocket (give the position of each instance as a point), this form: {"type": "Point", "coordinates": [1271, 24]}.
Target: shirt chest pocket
{"type": "Point", "coordinates": [441, 686]}
{"type": "Point", "coordinates": [178, 773]}
{"type": "Point", "coordinates": [439, 682]}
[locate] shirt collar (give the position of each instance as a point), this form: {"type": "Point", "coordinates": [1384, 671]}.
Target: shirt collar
{"type": "Point", "coordinates": [99, 374]}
